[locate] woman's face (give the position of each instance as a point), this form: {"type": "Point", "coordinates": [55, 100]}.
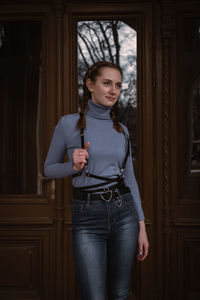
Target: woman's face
{"type": "Point", "coordinates": [106, 88]}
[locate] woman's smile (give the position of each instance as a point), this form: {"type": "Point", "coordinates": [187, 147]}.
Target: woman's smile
{"type": "Point", "coordinates": [106, 88]}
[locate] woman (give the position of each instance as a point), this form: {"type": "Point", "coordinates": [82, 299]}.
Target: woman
{"type": "Point", "coordinates": [107, 217]}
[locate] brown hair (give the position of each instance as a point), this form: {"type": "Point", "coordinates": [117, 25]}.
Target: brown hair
{"type": "Point", "coordinates": [91, 74]}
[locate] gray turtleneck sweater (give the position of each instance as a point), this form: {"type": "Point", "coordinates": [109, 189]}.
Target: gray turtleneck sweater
{"type": "Point", "coordinates": [106, 151]}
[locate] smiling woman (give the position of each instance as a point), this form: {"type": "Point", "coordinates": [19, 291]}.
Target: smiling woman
{"type": "Point", "coordinates": [106, 209]}
{"type": "Point", "coordinates": [105, 90]}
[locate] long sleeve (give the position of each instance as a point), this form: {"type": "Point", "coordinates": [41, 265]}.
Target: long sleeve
{"type": "Point", "coordinates": [54, 166]}
{"type": "Point", "coordinates": [130, 181]}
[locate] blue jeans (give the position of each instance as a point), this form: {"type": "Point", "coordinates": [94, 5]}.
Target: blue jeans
{"type": "Point", "coordinates": [104, 239]}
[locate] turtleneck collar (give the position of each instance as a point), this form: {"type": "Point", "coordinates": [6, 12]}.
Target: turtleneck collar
{"type": "Point", "coordinates": [98, 111]}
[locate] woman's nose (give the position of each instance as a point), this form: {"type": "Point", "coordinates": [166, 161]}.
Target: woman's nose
{"type": "Point", "coordinates": [113, 89]}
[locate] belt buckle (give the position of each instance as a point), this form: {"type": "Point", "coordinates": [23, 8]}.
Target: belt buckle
{"type": "Point", "coordinates": [106, 195]}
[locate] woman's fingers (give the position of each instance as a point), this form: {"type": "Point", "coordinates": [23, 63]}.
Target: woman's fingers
{"type": "Point", "coordinates": [80, 157]}
{"type": "Point", "coordinates": [143, 244]}
{"type": "Point", "coordinates": [87, 145]}
{"type": "Point", "coordinates": [143, 253]}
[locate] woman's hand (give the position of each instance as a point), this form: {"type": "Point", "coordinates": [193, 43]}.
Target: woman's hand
{"type": "Point", "coordinates": [143, 243]}
{"type": "Point", "coordinates": [80, 157]}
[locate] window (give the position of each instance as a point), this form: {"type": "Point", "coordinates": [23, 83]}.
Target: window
{"type": "Point", "coordinates": [115, 41]}
{"type": "Point", "coordinates": [20, 114]}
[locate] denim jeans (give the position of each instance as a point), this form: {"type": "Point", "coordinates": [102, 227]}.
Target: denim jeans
{"type": "Point", "coordinates": [104, 239]}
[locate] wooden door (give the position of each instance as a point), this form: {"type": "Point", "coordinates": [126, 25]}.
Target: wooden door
{"type": "Point", "coordinates": [38, 59]}
{"type": "Point", "coordinates": [28, 219]}
{"type": "Point", "coordinates": [177, 131]}
{"type": "Point", "coordinates": [140, 17]}
{"type": "Point", "coordinates": [181, 144]}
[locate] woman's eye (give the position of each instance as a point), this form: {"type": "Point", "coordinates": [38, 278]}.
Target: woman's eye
{"type": "Point", "coordinates": [118, 86]}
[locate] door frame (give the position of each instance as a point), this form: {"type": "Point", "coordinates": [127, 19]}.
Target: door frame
{"type": "Point", "coordinates": [145, 175]}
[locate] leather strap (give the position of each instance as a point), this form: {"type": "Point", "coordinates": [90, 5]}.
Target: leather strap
{"type": "Point", "coordinates": [106, 180]}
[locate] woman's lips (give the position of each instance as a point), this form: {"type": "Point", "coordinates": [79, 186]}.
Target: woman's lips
{"type": "Point", "coordinates": [111, 99]}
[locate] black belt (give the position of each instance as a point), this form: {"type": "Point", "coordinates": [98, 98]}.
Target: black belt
{"type": "Point", "coordinates": [105, 194]}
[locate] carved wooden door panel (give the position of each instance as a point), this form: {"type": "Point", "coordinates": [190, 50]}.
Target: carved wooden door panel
{"type": "Point", "coordinates": [27, 199]}
{"type": "Point", "coordinates": [38, 84]}
{"type": "Point", "coordinates": [185, 182]}
{"type": "Point", "coordinates": [178, 138]}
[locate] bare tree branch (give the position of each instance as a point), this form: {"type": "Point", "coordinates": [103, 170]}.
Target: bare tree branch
{"type": "Point", "coordinates": [85, 60]}
{"type": "Point", "coordinates": [86, 44]}
{"type": "Point", "coordinates": [107, 40]}
{"type": "Point", "coordinates": [116, 40]}
{"type": "Point", "coordinates": [102, 55]}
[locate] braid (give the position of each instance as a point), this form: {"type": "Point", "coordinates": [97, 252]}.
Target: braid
{"type": "Point", "coordinates": [84, 106]}
{"type": "Point", "coordinates": [116, 124]}
{"type": "Point", "coordinates": [91, 74]}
